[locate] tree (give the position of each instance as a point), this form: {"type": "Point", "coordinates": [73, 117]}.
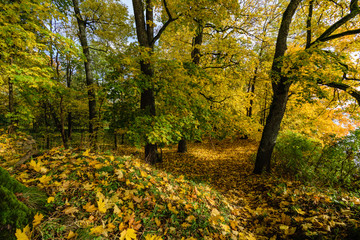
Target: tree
{"type": "Point", "coordinates": [147, 40]}
{"type": "Point", "coordinates": [90, 83]}
{"type": "Point", "coordinates": [281, 82]}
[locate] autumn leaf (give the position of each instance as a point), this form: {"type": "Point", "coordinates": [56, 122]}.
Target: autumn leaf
{"type": "Point", "coordinates": [45, 179]}
{"type": "Point", "coordinates": [71, 234]}
{"type": "Point", "coordinates": [23, 234]}
{"type": "Point", "coordinates": [89, 207]}
{"type": "Point", "coordinates": [37, 219]}
{"type": "Point", "coordinates": [116, 210]}
{"type": "Point", "coordinates": [128, 234]}
{"type": "Point", "coordinates": [153, 237]}
{"type": "Point", "coordinates": [190, 218]}
{"type": "Point", "coordinates": [50, 199]}
{"type": "Point", "coordinates": [86, 153]}
{"type": "Point", "coordinates": [157, 222]}
{"type": "Point", "coordinates": [70, 210]}
{"type": "Point", "coordinates": [88, 186]}
{"type": "Point", "coordinates": [102, 205]}
{"type": "Point", "coordinates": [98, 230]}
{"type": "Point", "coordinates": [119, 173]}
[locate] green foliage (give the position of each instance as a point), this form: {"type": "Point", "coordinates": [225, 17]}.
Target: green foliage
{"type": "Point", "coordinates": [296, 155]}
{"type": "Point", "coordinates": [159, 129]}
{"type": "Point", "coordinates": [340, 161]}
{"type": "Point", "coordinates": [333, 165]}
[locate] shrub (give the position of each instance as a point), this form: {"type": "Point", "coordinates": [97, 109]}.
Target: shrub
{"type": "Point", "coordinates": [339, 163]}
{"type": "Point", "coordinates": [333, 165]}
{"type": "Point", "coordinates": [295, 155]}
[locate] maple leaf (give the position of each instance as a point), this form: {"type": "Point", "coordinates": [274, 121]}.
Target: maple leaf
{"type": "Point", "coordinates": [190, 218]}
{"type": "Point", "coordinates": [102, 205]}
{"type": "Point", "coordinates": [157, 222]}
{"type": "Point", "coordinates": [116, 210]}
{"type": "Point", "coordinates": [45, 179]}
{"type": "Point", "coordinates": [37, 219]}
{"type": "Point", "coordinates": [89, 207]}
{"type": "Point", "coordinates": [128, 234]}
{"type": "Point", "coordinates": [86, 153]}
{"type": "Point", "coordinates": [23, 234]}
{"type": "Point", "coordinates": [88, 186]}
{"type": "Point", "coordinates": [110, 227]}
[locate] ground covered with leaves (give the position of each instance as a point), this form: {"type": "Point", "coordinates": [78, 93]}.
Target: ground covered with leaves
{"type": "Point", "coordinates": [207, 193]}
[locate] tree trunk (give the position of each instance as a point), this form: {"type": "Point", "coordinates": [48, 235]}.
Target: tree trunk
{"type": "Point", "coordinates": [251, 89]}
{"type": "Point", "coordinates": [69, 114]}
{"type": "Point", "coordinates": [272, 127]}
{"type": "Point", "coordinates": [280, 86]}
{"type": "Point", "coordinates": [11, 129]}
{"type": "Point", "coordinates": [88, 73]}
{"type": "Point", "coordinates": [182, 146]}
{"type": "Point", "coordinates": [195, 55]}
{"type": "Point", "coordinates": [145, 36]}
{"type": "Point", "coordinates": [115, 141]}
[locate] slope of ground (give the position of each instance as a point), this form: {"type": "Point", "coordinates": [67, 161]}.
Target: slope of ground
{"type": "Point", "coordinates": [207, 193]}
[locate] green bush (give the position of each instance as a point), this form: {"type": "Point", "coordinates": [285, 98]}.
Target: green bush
{"type": "Point", "coordinates": [295, 155]}
{"type": "Point", "coordinates": [339, 163]}
{"type": "Point", "coordinates": [333, 165]}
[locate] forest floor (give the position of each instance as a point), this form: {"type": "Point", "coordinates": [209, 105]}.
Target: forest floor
{"type": "Point", "coordinates": [268, 205]}
{"type": "Point", "coordinates": [207, 193]}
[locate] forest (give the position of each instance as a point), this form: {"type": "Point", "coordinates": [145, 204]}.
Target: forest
{"type": "Point", "coordinates": [179, 119]}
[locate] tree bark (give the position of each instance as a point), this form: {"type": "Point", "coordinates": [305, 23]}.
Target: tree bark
{"type": "Point", "coordinates": [280, 86]}
{"type": "Point", "coordinates": [90, 83]}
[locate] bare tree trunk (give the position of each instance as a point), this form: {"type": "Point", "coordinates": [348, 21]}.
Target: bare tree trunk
{"type": "Point", "coordinates": [88, 72]}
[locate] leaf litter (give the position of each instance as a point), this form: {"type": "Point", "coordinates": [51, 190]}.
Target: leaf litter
{"type": "Point", "coordinates": [207, 193]}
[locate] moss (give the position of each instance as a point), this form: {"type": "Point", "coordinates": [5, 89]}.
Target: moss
{"type": "Point", "coordinates": [9, 182]}
{"type": "Point", "coordinates": [13, 213]}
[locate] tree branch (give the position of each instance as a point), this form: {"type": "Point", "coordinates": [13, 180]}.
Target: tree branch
{"type": "Point", "coordinates": [346, 33]}
{"type": "Point", "coordinates": [162, 29]}
{"type": "Point", "coordinates": [350, 90]}
{"type": "Point", "coordinates": [326, 36]}
{"type": "Point", "coordinates": [211, 99]}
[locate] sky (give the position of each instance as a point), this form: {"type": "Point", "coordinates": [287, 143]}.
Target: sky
{"type": "Point", "coordinates": [129, 4]}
